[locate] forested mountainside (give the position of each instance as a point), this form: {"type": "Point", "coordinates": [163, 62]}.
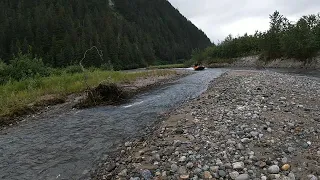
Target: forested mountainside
{"type": "Point", "coordinates": [130, 33]}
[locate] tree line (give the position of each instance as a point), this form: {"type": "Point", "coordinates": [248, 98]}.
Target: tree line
{"type": "Point", "coordinates": [130, 34]}
{"type": "Point", "coordinates": [284, 39]}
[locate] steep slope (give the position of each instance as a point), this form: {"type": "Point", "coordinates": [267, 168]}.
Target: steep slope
{"type": "Point", "coordinates": [130, 33]}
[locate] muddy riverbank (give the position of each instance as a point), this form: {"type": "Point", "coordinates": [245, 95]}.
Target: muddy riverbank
{"type": "Point", "coordinates": [248, 125]}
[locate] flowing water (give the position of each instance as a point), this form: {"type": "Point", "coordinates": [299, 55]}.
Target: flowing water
{"type": "Point", "coordinates": [67, 146]}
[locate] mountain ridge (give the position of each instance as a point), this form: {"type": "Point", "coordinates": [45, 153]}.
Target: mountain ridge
{"type": "Point", "coordinates": [130, 34]}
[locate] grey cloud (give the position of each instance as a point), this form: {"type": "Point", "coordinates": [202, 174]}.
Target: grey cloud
{"type": "Point", "coordinates": [213, 16]}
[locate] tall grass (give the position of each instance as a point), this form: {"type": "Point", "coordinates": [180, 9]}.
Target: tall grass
{"type": "Point", "coordinates": [18, 94]}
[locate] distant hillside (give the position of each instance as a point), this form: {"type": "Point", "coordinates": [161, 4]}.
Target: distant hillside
{"type": "Point", "coordinates": [130, 33]}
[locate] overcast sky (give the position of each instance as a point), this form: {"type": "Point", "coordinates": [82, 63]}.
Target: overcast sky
{"type": "Point", "coordinates": [218, 18]}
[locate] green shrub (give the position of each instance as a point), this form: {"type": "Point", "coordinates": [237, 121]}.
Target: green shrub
{"type": "Point", "coordinates": [22, 67]}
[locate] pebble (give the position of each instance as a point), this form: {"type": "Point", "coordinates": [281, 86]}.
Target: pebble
{"type": "Point", "coordinates": [222, 173]}
{"type": "Point", "coordinates": [240, 146]}
{"type": "Point", "coordinates": [182, 170]}
{"type": "Point", "coordinates": [127, 144]}
{"type": "Point", "coordinates": [312, 177]}
{"type": "Point", "coordinates": [123, 173]}
{"type": "Point", "coordinates": [182, 159]}
{"type": "Point", "coordinates": [291, 176]}
{"type": "Point", "coordinates": [274, 176]}
{"type": "Point", "coordinates": [234, 175]}
{"type": "Point", "coordinates": [186, 176]}
{"type": "Point", "coordinates": [146, 174]}
{"type": "Point", "coordinates": [197, 171]}
{"type": "Point", "coordinates": [243, 177]}
{"type": "Point", "coordinates": [245, 140]}
{"type": "Point", "coordinates": [284, 160]}
{"type": "Point", "coordinates": [174, 168]}
{"type": "Point", "coordinates": [238, 165]}
{"type": "Point", "coordinates": [264, 178]}
{"type": "Point", "coordinates": [285, 167]}
{"type": "Point", "coordinates": [205, 167]}
{"type": "Point", "coordinates": [207, 175]}
{"type": "Point", "coordinates": [274, 169]}
{"type": "Point", "coordinates": [189, 165]}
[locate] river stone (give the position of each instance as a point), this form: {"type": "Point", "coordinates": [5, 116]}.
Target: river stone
{"type": "Point", "coordinates": [123, 173]}
{"type": "Point", "coordinates": [174, 168]}
{"type": "Point", "coordinates": [111, 167]}
{"type": "Point", "coordinates": [186, 176]}
{"type": "Point", "coordinates": [273, 169]}
{"type": "Point", "coordinates": [240, 146]}
{"type": "Point", "coordinates": [274, 176]}
{"type": "Point", "coordinates": [205, 167]}
{"type": "Point", "coordinates": [291, 176]}
{"type": "Point", "coordinates": [238, 165]}
{"type": "Point", "coordinates": [312, 177]}
{"type": "Point", "coordinates": [197, 171]}
{"type": "Point", "coordinates": [189, 165]}
{"type": "Point", "coordinates": [182, 159]}
{"type": "Point", "coordinates": [242, 177]}
{"type": "Point", "coordinates": [222, 173]}
{"type": "Point", "coordinates": [234, 175]}
{"type": "Point", "coordinates": [264, 178]}
{"type": "Point", "coordinates": [291, 149]}
{"type": "Point", "coordinates": [182, 170]}
{"type": "Point", "coordinates": [146, 174]}
{"type": "Point", "coordinates": [207, 175]}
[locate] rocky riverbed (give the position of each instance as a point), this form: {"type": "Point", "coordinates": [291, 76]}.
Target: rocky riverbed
{"type": "Point", "coordinates": [248, 125]}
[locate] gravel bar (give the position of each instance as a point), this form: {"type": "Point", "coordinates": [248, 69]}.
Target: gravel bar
{"type": "Point", "coordinates": [248, 125]}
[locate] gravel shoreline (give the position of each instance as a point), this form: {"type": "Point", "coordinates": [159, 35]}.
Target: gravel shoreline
{"type": "Point", "coordinates": [248, 125]}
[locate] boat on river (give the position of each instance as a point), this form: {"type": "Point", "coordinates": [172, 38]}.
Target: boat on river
{"type": "Point", "coordinates": [198, 67]}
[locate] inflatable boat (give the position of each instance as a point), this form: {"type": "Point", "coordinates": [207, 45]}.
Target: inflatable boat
{"type": "Point", "coordinates": [198, 68]}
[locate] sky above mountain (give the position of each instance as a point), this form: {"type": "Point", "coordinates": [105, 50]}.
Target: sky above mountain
{"type": "Point", "coordinates": [219, 18]}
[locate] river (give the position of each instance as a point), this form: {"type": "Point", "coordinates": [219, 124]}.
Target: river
{"type": "Point", "coordinates": [68, 145]}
